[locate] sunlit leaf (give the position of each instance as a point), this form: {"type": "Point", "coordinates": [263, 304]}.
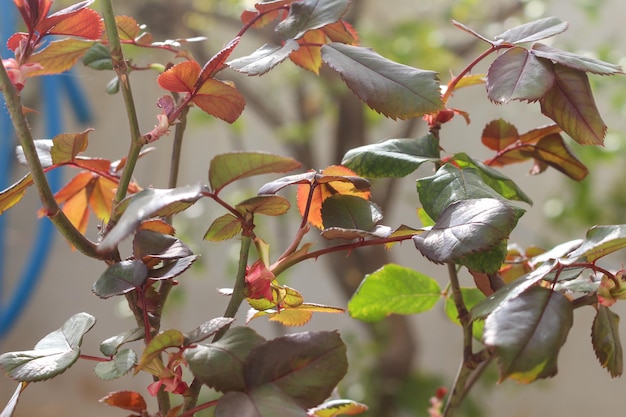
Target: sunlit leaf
{"type": "Point", "coordinates": [84, 23]}
{"type": "Point", "coordinates": [334, 408]}
{"type": "Point", "coordinates": [263, 59]}
{"type": "Point", "coordinates": [66, 146]}
{"type": "Point", "coordinates": [305, 15]}
{"type": "Point", "coordinates": [471, 297]}
{"type": "Point", "coordinates": [467, 227]}
{"type": "Point", "coordinates": [395, 90]}
{"type": "Point", "coordinates": [571, 105]}
{"type": "Point", "coordinates": [159, 343]}
{"type": "Point", "coordinates": [269, 205]}
{"type": "Point", "coordinates": [309, 55]}
{"type": "Point", "coordinates": [220, 364]}
{"type": "Point", "coordinates": [206, 329]}
{"type": "Point", "coordinates": [305, 366]}
{"type": "Point", "coordinates": [606, 341]}
{"type": "Point", "coordinates": [127, 27]}
{"type": "Point", "coordinates": [220, 99]}
{"type": "Point", "coordinates": [218, 61]}
{"type": "Point", "coordinates": [534, 31]}
{"type": "Point", "coordinates": [223, 228]}
{"type": "Point", "coordinates": [293, 316]}
{"type": "Point", "coordinates": [393, 289]}
{"type": "Point", "coordinates": [379, 231]}
{"type": "Point", "coordinates": [181, 77]}
{"type": "Point", "coordinates": [150, 203]}
{"type": "Point", "coordinates": [227, 168]}
{"type": "Point", "coordinates": [528, 332]}
{"type": "Point", "coordinates": [574, 61]}
{"type": "Point", "coordinates": [12, 195]}
{"type": "Point", "coordinates": [59, 56]}
{"type": "Point", "coordinates": [126, 400]}
{"type": "Point", "coordinates": [395, 158]}
{"type": "Point", "coordinates": [117, 367]}
{"type": "Point", "coordinates": [599, 242]}
{"type": "Point", "coordinates": [120, 278]}
{"type": "Point", "coordinates": [110, 346]}
{"type": "Point", "coordinates": [52, 355]}
{"type": "Point", "coordinates": [518, 75]}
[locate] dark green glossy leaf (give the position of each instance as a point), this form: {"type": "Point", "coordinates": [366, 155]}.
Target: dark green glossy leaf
{"type": "Point", "coordinates": [98, 58]}
{"type": "Point", "coordinates": [393, 289]}
{"type": "Point", "coordinates": [449, 185]}
{"type": "Point", "coordinates": [263, 59]}
{"type": "Point", "coordinates": [488, 261]}
{"type": "Point", "coordinates": [120, 278]}
{"type": "Point", "coordinates": [467, 227]}
{"type": "Point", "coordinates": [220, 364]}
{"type": "Point", "coordinates": [168, 339]}
{"type": "Point", "coordinates": [534, 31]}
{"type": "Point", "coordinates": [528, 332]}
{"type": "Point", "coordinates": [394, 158]}
{"type": "Point", "coordinates": [606, 342]}
{"type": "Point", "coordinates": [305, 366]}
{"type": "Point", "coordinates": [265, 401]}
{"type": "Point", "coordinates": [223, 228]}
{"type": "Point", "coordinates": [118, 366]}
{"type": "Point", "coordinates": [147, 204]}
{"type": "Point", "coordinates": [52, 355]}
{"type": "Point", "coordinates": [395, 90]}
{"type": "Point", "coordinates": [350, 212]}
{"type": "Point", "coordinates": [110, 346]}
{"type": "Point", "coordinates": [600, 241]}
{"type": "Point", "coordinates": [571, 105]}
{"type": "Point", "coordinates": [172, 269]}
{"type": "Point", "coordinates": [502, 184]}
{"type": "Point", "coordinates": [471, 297]}
{"type": "Point", "coordinates": [230, 167]}
{"type": "Point", "coordinates": [270, 205]}
{"type": "Point", "coordinates": [518, 75]}
{"type": "Point", "coordinates": [574, 61]}
{"type": "Point", "coordinates": [148, 243]}
{"type": "Point", "coordinates": [305, 15]}
{"type": "Point", "coordinates": [206, 329]}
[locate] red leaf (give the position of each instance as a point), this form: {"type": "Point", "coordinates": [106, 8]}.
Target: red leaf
{"type": "Point", "coordinates": [216, 63]}
{"type": "Point", "coordinates": [33, 15]}
{"type": "Point", "coordinates": [127, 400]}
{"type": "Point", "coordinates": [46, 24]}
{"type": "Point", "coordinates": [86, 24]}
{"type": "Point", "coordinates": [221, 100]}
{"type": "Point", "coordinates": [270, 11]}
{"type": "Point", "coordinates": [16, 40]}
{"type": "Point", "coordinates": [499, 134]}
{"type": "Point", "coordinates": [181, 78]}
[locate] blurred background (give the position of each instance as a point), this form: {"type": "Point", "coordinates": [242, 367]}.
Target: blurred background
{"type": "Point", "coordinates": [396, 365]}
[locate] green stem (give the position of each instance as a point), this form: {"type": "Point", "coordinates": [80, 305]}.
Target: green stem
{"type": "Point", "coordinates": [50, 206]}
{"type": "Point", "coordinates": [177, 147]}
{"type": "Point", "coordinates": [121, 69]}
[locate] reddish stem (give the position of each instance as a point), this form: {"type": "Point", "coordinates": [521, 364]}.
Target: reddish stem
{"type": "Point", "coordinates": [94, 358]}
{"type": "Point", "coordinates": [191, 412]}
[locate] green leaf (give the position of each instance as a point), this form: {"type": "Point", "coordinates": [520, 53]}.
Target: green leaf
{"type": "Point", "coordinates": [528, 333]}
{"type": "Point", "coordinates": [467, 227]}
{"type": "Point", "coordinates": [264, 401]}
{"type": "Point", "coordinates": [305, 366]}
{"type": "Point", "coordinates": [305, 15]}
{"type": "Point", "coordinates": [395, 158]}
{"type": "Point", "coordinates": [393, 289]}
{"type": "Point", "coordinates": [147, 204]}
{"type": "Point", "coordinates": [509, 292]}
{"type": "Point", "coordinates": [502, 184]}
{"type": "Point", "coordinates": [600, 241]}
{"type": "Point", "coordinates": [113, 86]}
{"type": "Point", "coordinates": [66, 146]}
{"type": "Point", "coordinates": [120, 278]}
{"type": "Point", "coordinates": [160, 342]}
{"type": "Point", "coordinates": [606, 342]}
{"type": "Point", "coordinates": [270, 205]}
{"type": "Point", "coordinates": [518, 75]}
{"type": "Point", "coordinates": [110, 346]}
{"type": "Point", "coordinates": [334, 408]}
{"type": "Point", "coordinates": [263, 59]}
{"type": "Point", "coordinates": [223, 228]}
{"type": "Point", "coordinates": [350, 212]}
{"type": "Point", "coordinates": [148, 243]}
{"type": "Point", "coordinates": [571, 105]}
{"type": "Point", "coordinates": [220, 364]}
{"type": "Point", "coordinates": [450, 184]}
{"type": "Point", "coordinates": [230, 167]}
{"type": "Point", "coordinates": [471, 297]}
{"type": "Point", "coordinates": [52, 355]}
{"type": "Point", "coordinates": [488, 261]}
{"type": "Point", "coordinates": [117, 367]}
{"type": "Point", "coordinates": [534, 31]}
{"type": "Point", "coordinates": [206, 329]}
{"type": "Point", "coordinates": [98, 58]}
{"type": "Point", "coordinates": [395, 90]}
{"type": "Point", "coordinates": [574, 61]}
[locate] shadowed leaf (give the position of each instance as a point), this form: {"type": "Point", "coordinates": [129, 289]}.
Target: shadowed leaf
{"type": "Point", "coordinates": [606, 341]}
{"type": "Point", "coordinates": [309, 55]}
{"type": "Point", "coordinates": [528, 332]}
{"type": "Point", "coordinates": [395, 90]}
{"type": "Point", "coordinates": [223, 228]}
{"type": "Point", "coordinates": [117, 367]}
{"type": "Point", "coordinates": [270, 205]}
{"type": "Point", "coordinates": [98, 57]}
{"type": "Point", "coordinates": [393, 289]}
{"type": "Point", "coordinates": [264, 401]}
{"type": "Point", "coordinates": [534, 31]}
{"type": "Point", "coordinates": [206, 329]}
{"type": "Point", "coordinates": [121, 278]}
{"type": "Point", "coordinates": [350, 212]}
{"type": "Point", "coordinates": [148, 243]}
{"type": "Point", "coordinates": [173, 268]}
{"type": "Point", "coordinates": [220, 99]}
{"type": "Point", "coordinates": [574, 61]}
{"type": "Point", "coordinates": [217, 62]}
{"type": "Point", "coordinates": [110, 346]}
{"type": "Point", "coordinates": [263, 59]}
{"type": "Point", "coordinates": [305, 15]}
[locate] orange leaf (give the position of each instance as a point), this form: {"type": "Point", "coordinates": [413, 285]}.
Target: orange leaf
{"type": "Point", "coordinates": [76, 210]}
{"type": "Point", "coordinates": [309, 55]}
{"type": "Point", "coordinates": [217, 62]}
{"type": "Point", "coordinates": [127, 400]}
{"type": "Point", "coordinates": [12, 195]}
{"type": "Point", "coordinates": [59, 56]}
{"type": "Point", "coordinates": [159, 226]}
{"type": "Point", "coordinates": [221, 100]}
{"type": "Point", "coordinates": [76, 184]}
{"type": "Point", "coordinates": [101, 198]}
{"type": "Point", "coordinates": [270, 10]}
{"type": "Point", "coordinates": [16, 40]}
{"type": "Point", "coordinates": [93, 164]}
{"type": "Point", "coordinates": [86, 23]}
{"type": "Point", "coordinates": [181, 77]}
{"type": "Point", "coordinates": [341, 31]}
{"type": "Point", "coordinates": [324, 190]}
{"type": "Point", "coordinates": [127, 27]}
